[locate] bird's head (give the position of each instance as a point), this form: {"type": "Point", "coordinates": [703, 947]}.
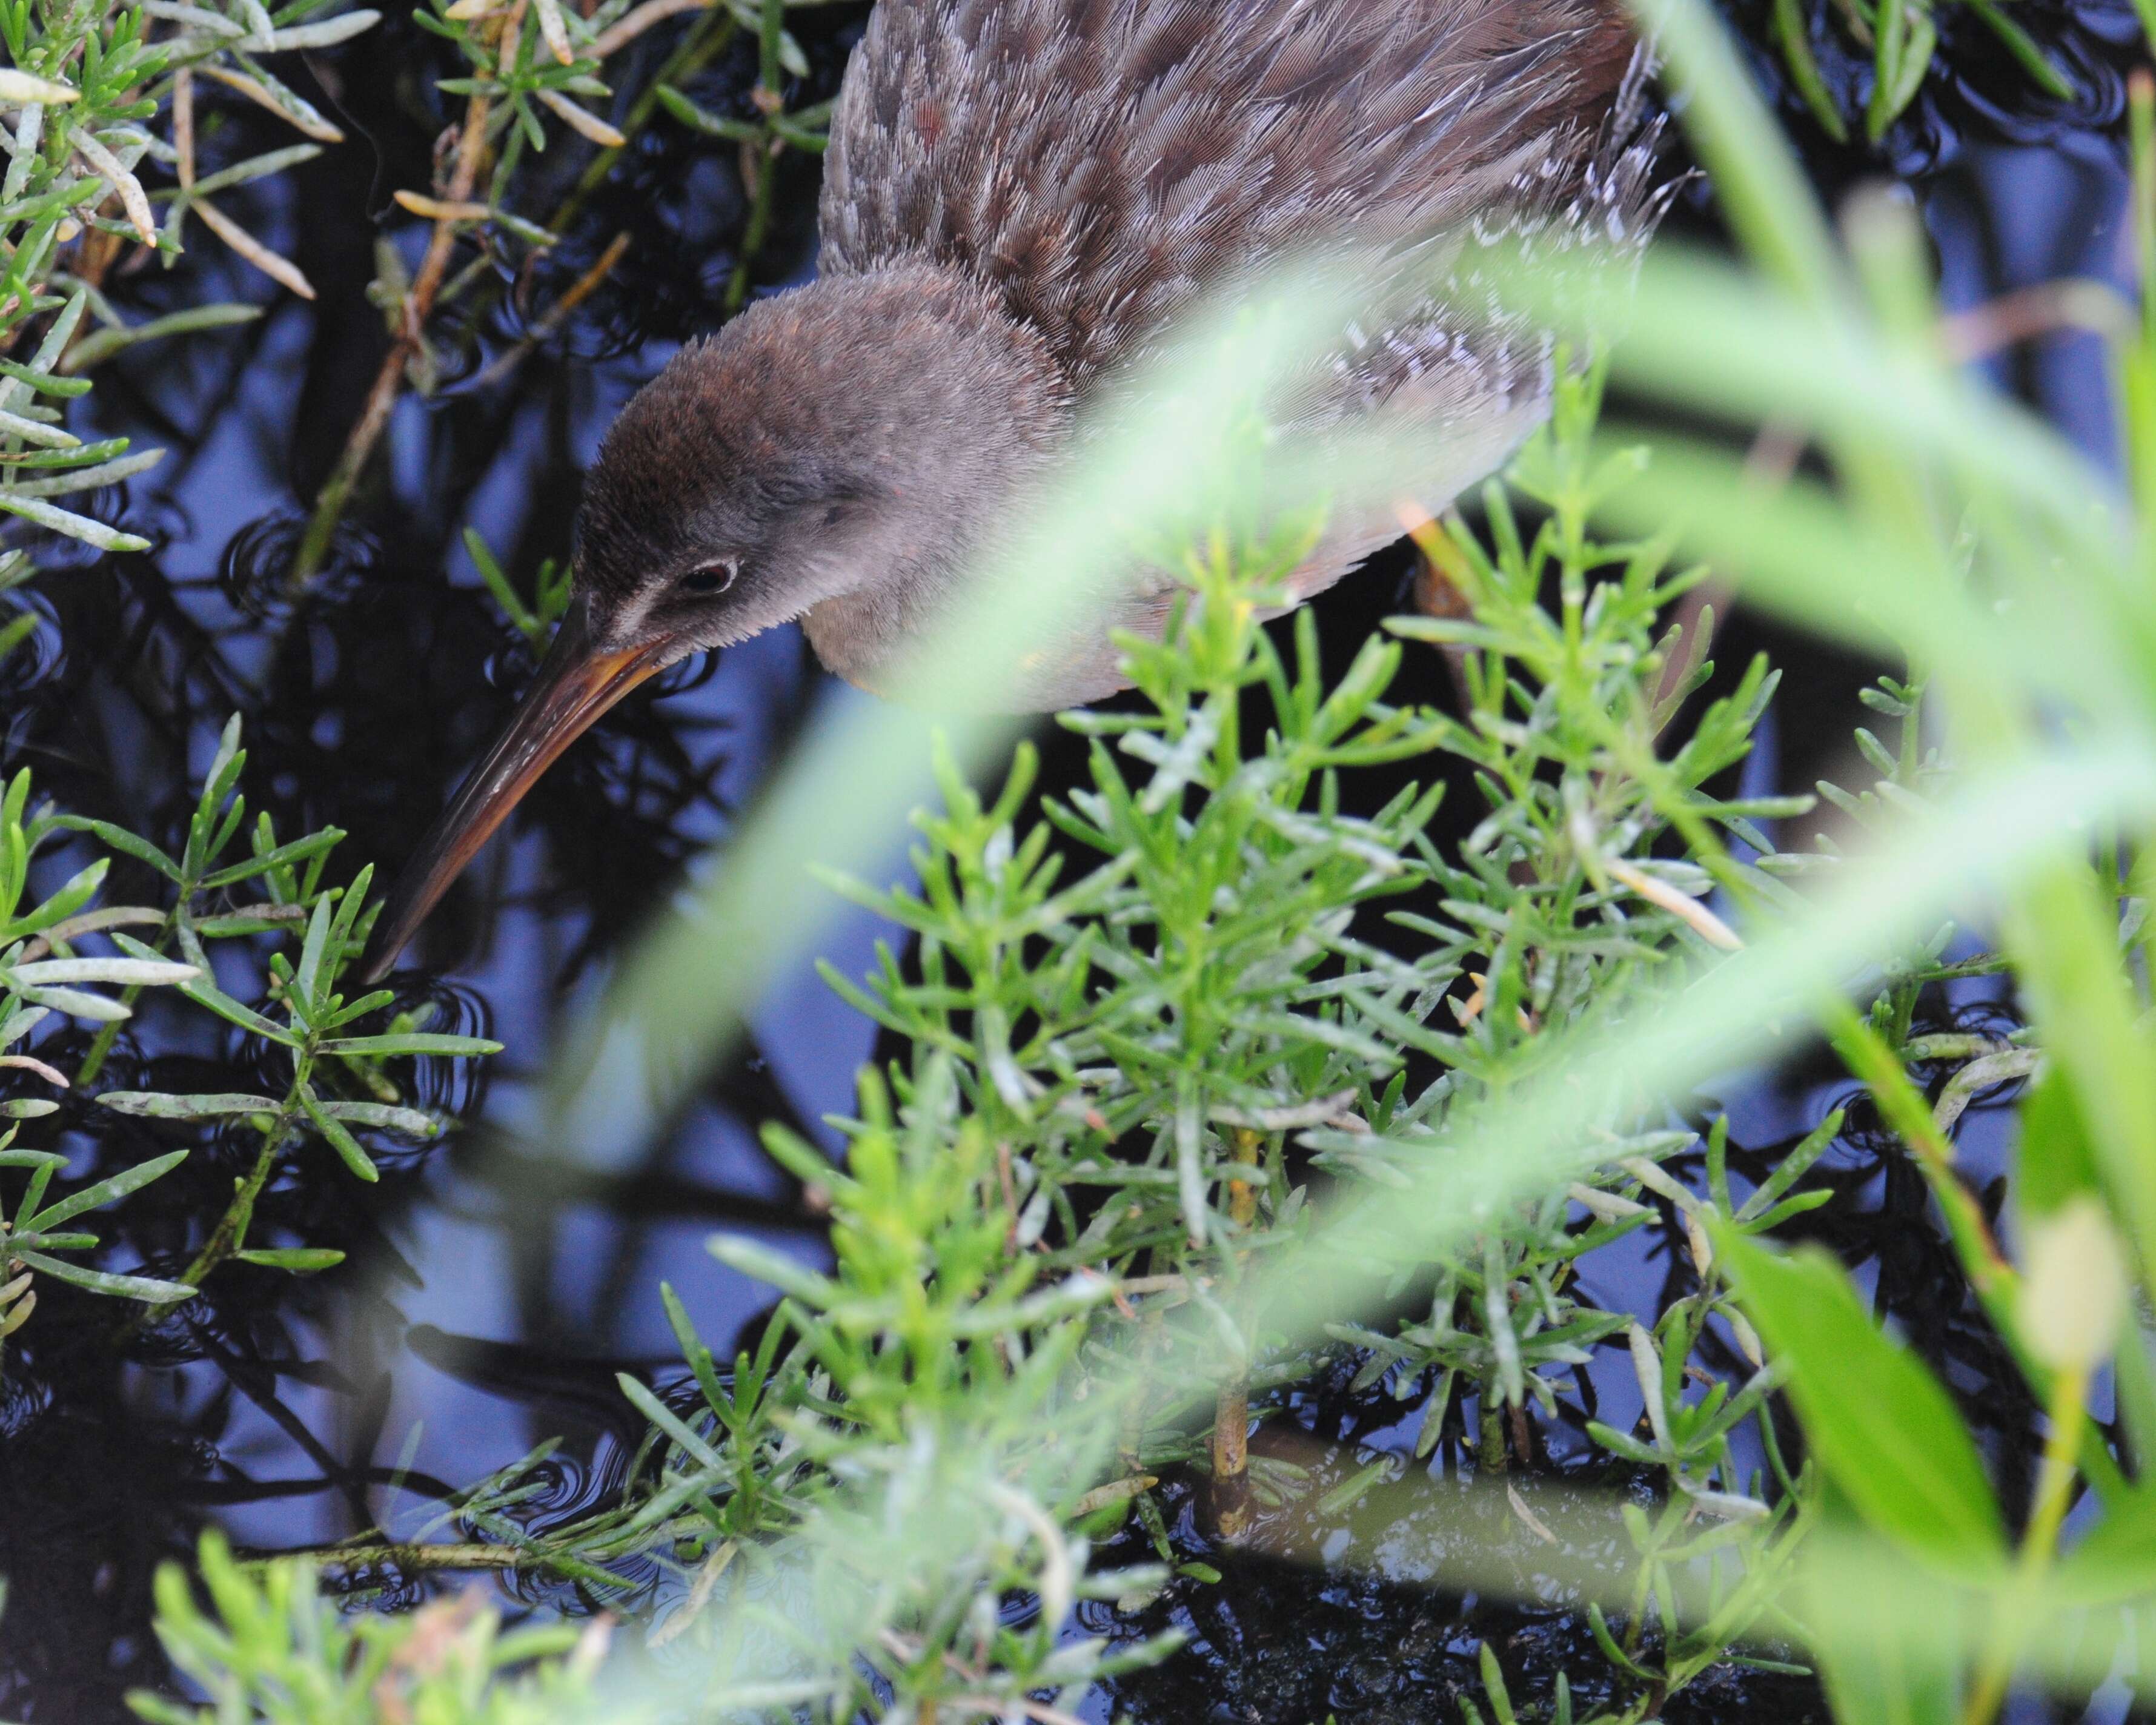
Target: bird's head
{"type": "Point", "coordinates": [845, 446]}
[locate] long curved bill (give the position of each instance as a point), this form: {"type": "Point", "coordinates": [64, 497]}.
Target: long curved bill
{"type": "Point", "coordinates": [576, 682]}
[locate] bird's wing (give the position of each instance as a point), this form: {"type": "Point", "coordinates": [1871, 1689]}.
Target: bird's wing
{"type": "Point", "coordinates": [1101, 163]}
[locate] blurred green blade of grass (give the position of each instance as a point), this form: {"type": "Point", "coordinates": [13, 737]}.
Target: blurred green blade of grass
{"type": "Point", "coordinates": [1838, 1588]}
{"type": "Point", "coordinates": [1800, 553]}
{"type": "Point", "coordinates": [1704, 336]}
{"type": "Point", "coordinates": [2064, 935]}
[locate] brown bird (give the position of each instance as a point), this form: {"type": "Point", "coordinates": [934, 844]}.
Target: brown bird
{"type": "Point", "coordinates": [1020, 196]}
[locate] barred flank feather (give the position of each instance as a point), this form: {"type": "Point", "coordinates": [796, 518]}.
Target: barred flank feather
{"type": "Point", "coordinates": [1101, 163]}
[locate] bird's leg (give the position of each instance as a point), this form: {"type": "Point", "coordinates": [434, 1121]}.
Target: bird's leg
{"type": "Point", "coordinates": [1436, 593]}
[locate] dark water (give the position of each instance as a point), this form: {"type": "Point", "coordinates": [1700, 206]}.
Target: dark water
{"type": "Point", "coordinates": [491, 1296]}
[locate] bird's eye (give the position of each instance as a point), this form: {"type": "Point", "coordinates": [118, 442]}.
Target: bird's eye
{"type": "Point", "coordinates": [712, 578]}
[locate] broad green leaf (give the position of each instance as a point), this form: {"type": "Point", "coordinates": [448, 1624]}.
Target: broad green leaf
{"type": "Point", "coordinates": [2055, 1161]}
{"type": "Point", "coordinates": [2064, 935]}
{"type": "Point", "coordinates": [1764, 190]}
{"type": "Point", "coordinates": [1883, 1429]}
{"type": "Point", "coordinates": [1884, 1664]}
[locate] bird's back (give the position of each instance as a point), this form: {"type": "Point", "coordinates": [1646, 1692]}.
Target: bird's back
{"type": "Point", "coordinates": [1101, 162]}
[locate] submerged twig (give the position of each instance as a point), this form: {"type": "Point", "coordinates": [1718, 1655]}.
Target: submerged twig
{"type": "Point", "coordinates": [381, 398]}
{"type": "Point", "coordinates": [581, 290]}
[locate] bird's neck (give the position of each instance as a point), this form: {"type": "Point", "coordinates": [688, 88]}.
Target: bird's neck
{"type": "Point", "coordinates": [963, 410]}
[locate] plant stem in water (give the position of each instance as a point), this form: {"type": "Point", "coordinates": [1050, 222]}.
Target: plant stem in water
{"type": "Point", "coordinates": [1231, 1410]}
{"type": "Point", "coordinates": [381, 399]}
{"type": "Point", "coordinates": [765, 158]}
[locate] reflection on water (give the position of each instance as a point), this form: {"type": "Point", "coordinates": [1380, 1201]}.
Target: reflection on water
{"type": "Point", "coordinates": [494, 1292]}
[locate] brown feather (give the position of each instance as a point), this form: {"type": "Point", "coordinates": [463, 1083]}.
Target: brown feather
{"type": "Point", "coordinates": [1021, 197]}
{"type": "Point", "coordinates": [1099, 163]}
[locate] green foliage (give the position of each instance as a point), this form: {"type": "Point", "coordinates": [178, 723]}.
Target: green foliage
{"type": "Point", "coordinates": [1882, 1429]}
{"type": "Point", "coordinates": [340, 1081]}
{"type": "Point", "coordinates": [272, 1648]}
{"type": "Point", "coordinates": [766, 136]}
{"type": "Point", "coordinates": [807, 1499]}
{"type": "Point", "coordinates": [1940, 531]}
{"type": "Point", "coordinates": [87, 90]}
{"type": "Point", "coordinates": [1901, 38]}
{"type": "Point", "coordinates": [928, 1362]}
{"type": "Point", "coordinates": [1175, 991]}
{"type": "Point", "coordinates": [550, 593]}
{"type": "Point", "coordinates": [30, 1240]}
